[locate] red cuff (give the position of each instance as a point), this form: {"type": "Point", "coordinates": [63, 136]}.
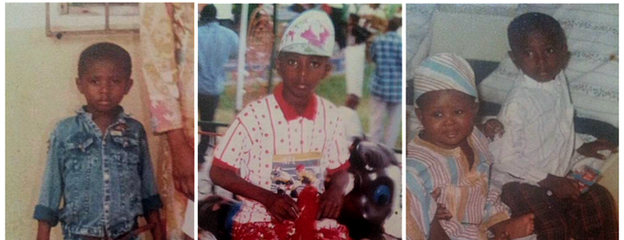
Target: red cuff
{"type": "Point", "coordinates": [222, 164]}
{"type": "Point", "coordinates": [344, 166]}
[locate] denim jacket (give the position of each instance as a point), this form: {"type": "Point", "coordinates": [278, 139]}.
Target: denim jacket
{"type": "Point", "coordinates": [105, 180]}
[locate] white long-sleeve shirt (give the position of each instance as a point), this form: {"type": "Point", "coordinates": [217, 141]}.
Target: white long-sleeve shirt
{"type": "Point", "coordinates": [539, 134]}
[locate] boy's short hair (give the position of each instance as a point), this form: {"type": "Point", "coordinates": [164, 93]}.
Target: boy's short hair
{"type": "Point", "coordinates": [527, 23]}
{"type": "Point", "coordinates": [104, 51]}
{"type": "Point", "coordinates": [208, 13]}
{"type": "Point", "coordinates": [394, 24]}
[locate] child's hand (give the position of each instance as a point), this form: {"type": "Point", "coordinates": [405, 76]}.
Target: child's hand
{"type": "Point", "coordinates": [441, 211]}
{"type": "Point", "coordinates": [591, 149]}
{"type": "Point", "coordinates": [330, 203]}
{"type": "Point", "coordinates": [154, 224]}
{"type": "Point", "coordinates": [493, 127]}
{"type": "Point", "coordinates": [282, 207]}
{"type": "Point", "coordinates": [513, 228]}
{"type": "Point", "coordinates": [561, 187]}
{"type": "Point", "coordinates": [352, 101]}
{"type": "Point", "coordinates": [43, 230]}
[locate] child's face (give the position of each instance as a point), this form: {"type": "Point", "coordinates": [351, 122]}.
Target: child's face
{"type": "Point", "coordinates": [447, 117]}
{"type": "Point", "coordinates": [540, 56]}
{"type": "Point", "coordinates": [104, 85]}
{"type": "Point", "coordinates": [301, 73]}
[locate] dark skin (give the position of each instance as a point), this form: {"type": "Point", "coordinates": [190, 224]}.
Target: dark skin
{"type": "Point", "coordinates": [301, 74]}
{"type": "Point", "coordinates": [561, 187]}
{"type": "Point", "coordinates": [104, 87]}
{"type": "Point", "coordinates": [332, 199]}
{"type": "Point", "coordinates": [491, 128]}
{"type": "Point", "coordinates": [352, 101]}
{"type": "Point", "coordinates": [436, 231]}
{"type": "Point", "coordinates": [280, 206]}
{"type": "Point", "coordinates": [183, 162]}
{"type": "Point", "coordinates": [542, 56]}
{"type": "Point", "coordinates": [591, 149]}
{"type": "Point", "coordinates": [448, 118]}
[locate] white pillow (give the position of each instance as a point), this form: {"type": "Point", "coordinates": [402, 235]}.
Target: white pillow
{"type": "Point", "coordinates": [592, 35]}
{"type": "Point", "coordinates": [494, 88]}
{"type": "Point", "coordinates": [595, 95]}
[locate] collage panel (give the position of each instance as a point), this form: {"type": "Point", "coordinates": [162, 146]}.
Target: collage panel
{"type": "Point", "coordinates": [300, 113]}
{"type": "Point", "coordinates": [100, 120]}
{"type": "Point", "coordinates": [512, 121]}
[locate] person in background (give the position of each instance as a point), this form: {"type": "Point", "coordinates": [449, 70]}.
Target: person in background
{"type": "Point", "coordinates": [386, 86]}
{"type": "Point", "coordinates": [216, 46]}
{"type": "Point", "coordinates": [167, 39]}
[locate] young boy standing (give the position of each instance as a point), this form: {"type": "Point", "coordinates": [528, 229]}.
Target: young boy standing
{"type": "Point", "coordinates": [540, 145]}
{"type": "Point", "coordinates": [273, 137]}
{"type": "Point", "coordinates": [98, 161]}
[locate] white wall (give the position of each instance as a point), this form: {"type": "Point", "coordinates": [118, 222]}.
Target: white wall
{"type": "Point", "coordinates": [40, 91]}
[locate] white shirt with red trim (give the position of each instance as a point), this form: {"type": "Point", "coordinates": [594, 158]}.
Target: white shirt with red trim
{"type": "Point", "coordinates": [269, 127]}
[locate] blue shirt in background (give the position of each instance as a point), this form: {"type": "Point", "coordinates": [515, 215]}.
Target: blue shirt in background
{"type": "Point", "coordinates": [387, 53]}
{"type": "Point", "coordinates": [217, 44]}
{"type": "Point", "coordinates": [105, 180]}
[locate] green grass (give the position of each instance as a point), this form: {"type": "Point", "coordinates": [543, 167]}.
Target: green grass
{"type": "Point", "coordinates": [332, 88]}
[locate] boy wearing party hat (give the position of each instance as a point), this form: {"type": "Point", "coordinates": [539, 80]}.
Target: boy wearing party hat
{"type": "Point", "coordinates": [271, 138]}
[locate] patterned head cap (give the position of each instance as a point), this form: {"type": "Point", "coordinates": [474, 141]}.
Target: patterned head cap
{"type": "Point", "coordinates": [444, 71]}
{"type": "Point", "coordinates": [311, 33]}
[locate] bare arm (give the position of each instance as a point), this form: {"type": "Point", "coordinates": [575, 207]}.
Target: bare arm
{"type": "Point", "coordinates": [333, 197]}
{"type": "Point", "coordinates": [279, 206]}
{"type": "Point", "coordinates": [182, 161]}
{"type": "Point", "coordinates": [43, 230]}
{"type": "Point", "coordinates": [437, 232]}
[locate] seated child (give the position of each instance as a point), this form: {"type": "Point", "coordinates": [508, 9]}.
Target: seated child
{"type": "Point", "coordinates": [287, 140]}
{"type": "Point", "coordinates": [540, 146]}
{"type": "Point", "coordinates": [448, 162]}
{"type": "Point", "coordinates": [98, 161]}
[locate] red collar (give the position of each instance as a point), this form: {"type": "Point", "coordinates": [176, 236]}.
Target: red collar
{"type": "Point", "coordinates": [289, 111]}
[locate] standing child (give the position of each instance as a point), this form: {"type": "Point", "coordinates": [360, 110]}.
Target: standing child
{"type": "Point", "coordinates": [386, 86]}
{"type": "Point", "coordinates": [539, 144]}
{"type": "Point", "coordinates": [271, 137]}
{"type": "Point", "coordinates": [448, 163]}
{"type": "Point", "coordinates": [98, 162]}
